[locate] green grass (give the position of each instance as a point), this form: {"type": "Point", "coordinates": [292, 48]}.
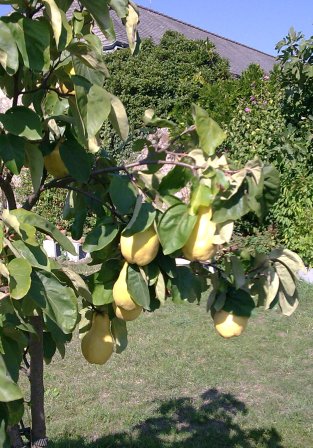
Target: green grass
{"type": "Point", "coordinates": [179, 384]}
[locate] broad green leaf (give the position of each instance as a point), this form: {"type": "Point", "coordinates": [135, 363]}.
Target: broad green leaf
{"type": "Point", "coordinates": [185, 286]}
{"type": "Point", "coordinates": [9, 390]}
{"type": "Point", "coordinates": [20, 281]}
{"type": "Point", "coordinates": [271, 188]}
{"type": "Point", "coordinates": [100, 12]}
{"type": "Point", "coordinates": [141, 220]}
{"type": "Point", "coordinates": [12, 152]}
{"type": "Point", "coordinates": [122, 193]}
{"type": "Point", "coordinates": [120, 7]}
{"type": "Point", "coordinates": [119, 332]}
{"type": "Point", "coordinates": [290, 259]}
{"type": "Point", "coordinates": [60, 338]}
{"type": "Point", "coordinates": [237, 272]}
{"type": "Point", "coordinates": [201, 197]}
{"type": "Point", "coordinates": [49, 347]}
{"type": "Point", "coordinates": [271, 288]}
{"type": "Point", "coordinates": [167, 264]}
{"type": "Point", "coordinates": [118, 117]}
{"type": "Point", "coordinates": [8, 50]}
{"type": "Point", "coordinates": [100, 236]}
{"type": "Point", "coordinates": [131, 25]}
{"type": "Point", "coordinates": [76, 159]}
{"type": "Point", "coordinates": [160, 289]}
{"type": "Point", "coordinates": [57, 301]}
{"type": "Point", "coordinates": [32, 38]}
{"type": "Point", "coordinates": [88, 55]}
{"type": "Point", "coordinates": [101, 283]}
{"type": "Point", "coordinates": [15, 411]}
{"type": "Point", "coordinates": [24, 216]}
{"type": "Point", "coordinates": [231, 209]}
{"type": "Point", "coordinates": [175, 228]}
{"type": "Point", "coordinates": [78, 283]}
{"type": "Point", "coordinates": [175, 180]}
{"type": "Point", "coordinates": [287, 303]}
{"type": "Point", "coordinates": [33, 254]}
{"type": "Point", "coordinates": [55, 18]}
{"type": "Point", "coordinates": [23, 122]}
{"type": "Point", "coordinates": [211, 136]}
{"type": "Point", "coordinates": [238, 302]}
{"type": "Point", "coordinates": [13, 354]}
{"type": "Point", "coordinates": [137, 287]}
{"type": "Point", "coordinates": [36, 164]}
{"type": "Point", "coordinates": [93, 76]}
{"type": "Point", "coordinates": [285, 278]}
{"type": "Point", "coordinates": [25, 230]}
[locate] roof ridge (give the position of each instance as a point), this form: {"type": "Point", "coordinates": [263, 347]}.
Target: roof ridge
{"type": "Point", "coordinates": [202, 29]}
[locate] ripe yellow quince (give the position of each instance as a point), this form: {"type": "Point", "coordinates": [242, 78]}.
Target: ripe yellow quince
{"type": "Point", "coordinates": [97, 344]}
{"type": "Point", "coordinates": [199, 246]}
{"type": "Point", "coordinates": [54, 164]}
{"type": "Point", "coordinates": [229, 325]}
{"type": "Point", "coordinates": [140, 248]}
{"type": "Point", "coordinates": [123, 314]}
{"type": "Point", "coordinates": [121, 295]}
{"type": "Point", "coordinates": [63, 87]}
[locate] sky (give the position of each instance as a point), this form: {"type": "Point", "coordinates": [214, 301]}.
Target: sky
{"type": "Point", "coordinates": [258, 24]}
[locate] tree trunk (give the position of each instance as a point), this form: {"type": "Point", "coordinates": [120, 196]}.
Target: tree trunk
{"type": "Point", "coordinates": [38, 426]}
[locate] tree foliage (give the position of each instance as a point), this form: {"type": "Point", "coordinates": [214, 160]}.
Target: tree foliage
{"type": "Point", "coordinates": [54, 71]}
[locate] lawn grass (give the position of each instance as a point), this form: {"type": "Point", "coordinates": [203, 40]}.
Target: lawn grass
{"type": "Point", "coordinates": [179, 384]}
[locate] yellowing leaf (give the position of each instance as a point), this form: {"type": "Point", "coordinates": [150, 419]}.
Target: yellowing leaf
{"type": "Point", "coordinates": [55, 18]}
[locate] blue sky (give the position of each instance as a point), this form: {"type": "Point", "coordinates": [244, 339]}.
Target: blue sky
{"type": "Point", "coordinates": [259, 24]}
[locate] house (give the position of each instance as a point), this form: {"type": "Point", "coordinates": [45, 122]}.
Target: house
{"type": "Point", "coordinates": [154, 24]}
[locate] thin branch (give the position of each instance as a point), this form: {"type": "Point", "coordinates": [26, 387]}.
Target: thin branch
{"type": "Point", "coordinates": [7, 189]}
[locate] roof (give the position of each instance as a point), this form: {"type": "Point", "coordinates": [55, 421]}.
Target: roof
{"type": "Point", "coordinates": [154, 24]}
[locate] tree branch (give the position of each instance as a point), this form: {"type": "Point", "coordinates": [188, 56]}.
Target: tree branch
{"type": "Point", "coordinates": [7, 189]}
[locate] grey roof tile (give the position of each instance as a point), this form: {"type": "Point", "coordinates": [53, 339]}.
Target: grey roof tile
{"type": "Point", "coordinates": [154, 24]}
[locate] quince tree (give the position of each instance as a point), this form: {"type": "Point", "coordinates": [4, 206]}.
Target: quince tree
{"type": "Point", "coordinates": [52, 68]}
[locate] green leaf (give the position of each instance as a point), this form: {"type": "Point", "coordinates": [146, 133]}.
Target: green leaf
{"type": "Point", "coordinates": [15, 411]}
{"type": "Point", "coordinates": [23, 122]}
{"type": "Point", "coordinates": [101, 235]}
{"type": "Point", "coordinates": [238, 272]}
{"type": "Point", "coordinates": [9, 390]}
{"type": "Point", "coordinates": [32, 38]}
{"type": "Point", "coordinates": [76, 159]}
{"type": "Point", "coordinates": [27, 217]}
{"type": "Point", "coordinates": [185, 286]}
{"type": "Point", "coordinates": [160, 288]}
{"type": "Point", "coordinates": [211, 136]}
{"type": "Point", "coordinates": [131, 24]}
{"type": "Point", "coordinates": [271, 188]}
{"type": "Point", "coordinates": [20, 281]}
{"type": "Point", "coordinates": [285, 278]}
{"type": "Point", "coordinates": [35, 162]}
{"type": "Point", "coordinates": [55, 18]}
{"type": "Point", "coordinates": [93, 103]}
{"type": "Point", "coordinates": [8, 50]}
{"type": "Point", "coordinates": [143, 217]}
{"type": "Point", "coordinates": [78, 283]}
{"type": "Point", "coordinates": [120, 7]}
{"type": "Point", "coordinates": [231, 209]}
{"type": "Point", "coordinates": [118, 117]}
{"type": "Point", "coordinates": [122, 193]}
{"type": "Point", "coordinates": [101, 283]}
{"type": "Point", "coordinates": [238, 302]}
{"type": "Point", "coordinates": [26, 231]}
{"type": "Point", "coordinates": [12, 152]}
{"type": "Point", "coordinates": [100, 12]}
{"type": "Point", "coordinates": [119, 332]}
{"type": "Point", "coordinates": [49, 347]}
{"type": "Point", "coordinates": [33, 254]}
{"type": "Point", "coordinates": [288, 304]}
{"type": "Point", "coordinates": [57, 301]}
{"type": "Point", "coordinates": [175, 180]}
{"type": "Point", "coordinates": [175, 228]}
{"type": "Point", "coordinates": [137, 287]}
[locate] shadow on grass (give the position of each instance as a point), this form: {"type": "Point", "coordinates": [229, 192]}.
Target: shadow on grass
{"type": "Point", "coordinates": [181, 424]}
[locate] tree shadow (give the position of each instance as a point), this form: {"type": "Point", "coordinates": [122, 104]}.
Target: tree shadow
{"type": "Point", "coordinates": [182, 424]}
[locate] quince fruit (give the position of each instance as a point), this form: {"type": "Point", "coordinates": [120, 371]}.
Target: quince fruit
{"type": "Point", "coordinates": [140, 248]}
{"type": "Point", "coordinates": [229, 325]}
{"type": "Point", "coordinates": [97, 344]}
{"type": "Point", "coordinates": [126, 315]}
{"type": "Point", "coordinates": [54, 164]}
{"type": "Point", "coordinates": [199, 246]}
